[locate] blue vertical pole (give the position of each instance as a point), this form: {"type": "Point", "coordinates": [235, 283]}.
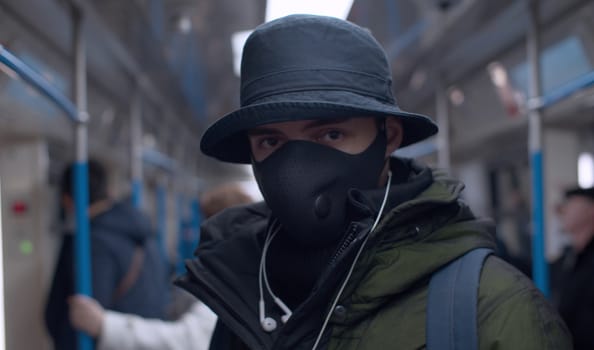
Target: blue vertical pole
{"type": "Point", "coordinates": [393, 18]}
{"type": "Point", "coordinates": [137, 193]}
{"type": "Point", "coordinates": [162, 218]}
{"type": "Point", "coordinates": [136, 148]}
{"type": "Point", "coordinates": [442, 108]}
{"type": "Point", "coordinates": [539, 263]}
{"type": "Point", "coordinates": [181, 236]}
{"type": "Point", "coordinates": [82, 241]}
{"type": "Point", "coordinates": [196, 220]}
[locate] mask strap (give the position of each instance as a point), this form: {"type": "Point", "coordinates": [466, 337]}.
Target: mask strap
{"type": "Point", "coordinates": [346, 280]}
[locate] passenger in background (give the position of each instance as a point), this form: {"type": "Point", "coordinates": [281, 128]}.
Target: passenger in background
{"type": "Point", "coordinates": [575, 276]}
{"type": "Point", "coordinates": [118, 331]}
{"type": "Point", "coordinates": [128, 270]}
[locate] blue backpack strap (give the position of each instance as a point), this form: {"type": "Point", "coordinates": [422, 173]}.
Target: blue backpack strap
{"type": "Point", "coordinates": [452, 304]}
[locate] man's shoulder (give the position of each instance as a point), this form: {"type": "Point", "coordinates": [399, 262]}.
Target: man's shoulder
{"type": "Point", "coordinates": [513, 311]}
{"type": "Point", "coordinates": [500, 279]}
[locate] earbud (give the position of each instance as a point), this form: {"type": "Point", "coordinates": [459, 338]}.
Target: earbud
{"type": "Point", "coordinates": [285, 309]}
{"type": "Point", "coordinates": [268, 323]}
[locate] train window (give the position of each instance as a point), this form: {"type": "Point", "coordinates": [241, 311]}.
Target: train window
{"type": "Point", "coordinates": [568, 53]}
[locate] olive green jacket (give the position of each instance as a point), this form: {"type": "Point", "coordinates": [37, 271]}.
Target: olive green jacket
{"type": "Point", "coordinates": [384, 304]}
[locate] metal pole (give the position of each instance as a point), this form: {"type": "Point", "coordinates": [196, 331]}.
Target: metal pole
{"type": "Point", "coordinates": [196, 221]}
{"type": "Point", "coordinates": [136, 148]}
{"type": "Point", "coordinates": [393, 18]}
{"type": "Point", "coordinates": [82, 247]}
{"type": "Point", "coordinates": [181, 235]}
{"type": "Point", "coordinates": [443, 121]}
{"type": "Point", "coordinates": [162, 217]}
{"type": "Point", "coordinates": [539, 264]}
{"type": "Point", "coordinates": [2, 304]}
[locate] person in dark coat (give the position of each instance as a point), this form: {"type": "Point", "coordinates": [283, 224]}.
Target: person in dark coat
{"type": "Point", "coordinates": [128, 270]}
{"type": "Point", "coordinates": [576, 303]}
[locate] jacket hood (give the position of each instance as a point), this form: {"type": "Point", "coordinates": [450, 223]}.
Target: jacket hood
{"type": "Point", "coordinates": [123, 219]}
{"type": "Point", "coordinates": [414, 240]}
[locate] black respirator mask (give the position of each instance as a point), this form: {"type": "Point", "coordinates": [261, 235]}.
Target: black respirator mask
{"type": "Point", "coordinates": [305, 185]}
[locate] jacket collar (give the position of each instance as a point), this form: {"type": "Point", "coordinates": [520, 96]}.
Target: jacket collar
{"type": "Point", "coordinates": [414, 240]}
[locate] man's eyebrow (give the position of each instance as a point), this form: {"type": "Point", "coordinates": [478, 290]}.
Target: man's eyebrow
{"type": "Point", "coordinates": [262, 131]}
{"type": "Point", "coordinates": [322, 122]}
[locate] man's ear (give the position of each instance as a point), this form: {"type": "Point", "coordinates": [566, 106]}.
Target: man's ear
{"type": "Point", "coordinates": [394, 134]}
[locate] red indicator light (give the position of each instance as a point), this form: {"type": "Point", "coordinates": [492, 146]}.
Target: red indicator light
{"type": "Point", "coordinates": [19, 207]}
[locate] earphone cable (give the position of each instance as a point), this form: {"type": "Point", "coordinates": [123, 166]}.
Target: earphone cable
{"type": "Point", "coordinates": [261, 271]}
{"type": "Point", "coordinates": [348, 276]}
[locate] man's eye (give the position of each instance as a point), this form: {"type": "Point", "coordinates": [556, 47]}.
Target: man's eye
{"type": "Point", "coordinates": [332, 135]}
{"type": "Point", "coordinates": [269, 142]}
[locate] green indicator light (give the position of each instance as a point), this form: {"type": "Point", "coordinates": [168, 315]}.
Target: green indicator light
{"type": "Point", "coordinates": [26, 247]}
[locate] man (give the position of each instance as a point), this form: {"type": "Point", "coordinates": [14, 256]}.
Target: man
{"type": "Point", "coordinates": [129, 273]}
{"type": "Point", "coordinates": [341, 253]}
{"type": "Point", "coordinates": [576, 303]}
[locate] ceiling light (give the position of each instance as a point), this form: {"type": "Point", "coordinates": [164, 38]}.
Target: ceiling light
{"type": "Point", "coordinates": [334, 8]}
{"type": "Point", "coordinates": [418, 79]}
{"type": "Point", "coordinates": [184, 24]}
{"type": "Point", "coordinates": [498, 74]}
{"type": "Point", "coordinates": [586, 170]}
{"type": "Point", "coordinates": [456, 96]}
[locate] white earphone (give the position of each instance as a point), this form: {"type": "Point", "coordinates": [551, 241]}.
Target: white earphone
{"type": "Point", "coordinates": [268, 323]}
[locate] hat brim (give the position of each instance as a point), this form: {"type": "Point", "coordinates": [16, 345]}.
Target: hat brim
{"type": "Point", "coordinates": [227, 141]}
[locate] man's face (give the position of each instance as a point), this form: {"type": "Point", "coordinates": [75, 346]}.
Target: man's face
{"type": "Point", "coordinates": [350, 135]}
{"type": "Point", "coordinates": [576, 212]}
{"type": "Point", "coordinates": [577, 217]}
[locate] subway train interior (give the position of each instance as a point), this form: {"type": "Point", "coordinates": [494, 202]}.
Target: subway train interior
{"type": "Point", "coordinates": [152, 75]}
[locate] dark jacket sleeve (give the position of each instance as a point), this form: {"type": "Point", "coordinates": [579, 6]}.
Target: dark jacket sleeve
{"type": "Point", "coordinates": [56, 309]}
{"type": "Point", "coordinates": [106, 273]}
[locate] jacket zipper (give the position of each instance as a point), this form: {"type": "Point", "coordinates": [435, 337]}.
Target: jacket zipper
{"type": "Point", "coordinates": [345, 243]}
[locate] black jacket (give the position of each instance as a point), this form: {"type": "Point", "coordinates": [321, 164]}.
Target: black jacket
{"type": "Point", "coordinates": [577, 299]}
{"type": "Point", "coordinates": [115, 234]}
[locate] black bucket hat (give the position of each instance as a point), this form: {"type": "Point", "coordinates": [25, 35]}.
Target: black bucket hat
{"type": "Point", "coordinates": [304, 67]}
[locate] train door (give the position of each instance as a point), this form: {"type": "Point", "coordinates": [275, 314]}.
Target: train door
{"type": "Point", "coordinates": [28, 248]}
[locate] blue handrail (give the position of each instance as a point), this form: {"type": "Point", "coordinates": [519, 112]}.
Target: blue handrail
{"type": "Point", "coordinates": [160, 160]}
{"type": "Point", "coordinates": [39, 82]}
{"type": "Point", "coordinates": [564, 91]}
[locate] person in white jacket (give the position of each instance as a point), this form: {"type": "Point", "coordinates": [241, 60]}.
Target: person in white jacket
{"type": "Point", "coordinates": [192, 331]}
{"type": "Point", "coordinates": [118, 331]}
